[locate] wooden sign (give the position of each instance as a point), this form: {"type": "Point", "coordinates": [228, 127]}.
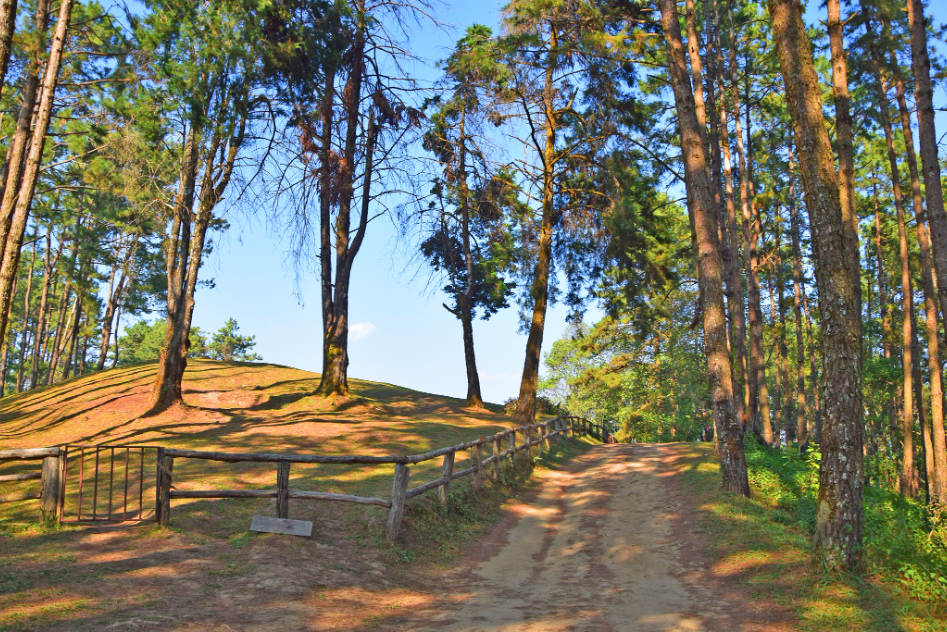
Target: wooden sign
{"type": "Point", "coordinates": [281, 525]}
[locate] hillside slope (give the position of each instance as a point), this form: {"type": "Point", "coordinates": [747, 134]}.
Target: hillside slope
{"type": "Point", "coordinates": [239, 406]}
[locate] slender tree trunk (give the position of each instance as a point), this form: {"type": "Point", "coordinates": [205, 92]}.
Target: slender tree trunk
{"type": "Point", "coordinates": [754, 300]}
{"type": "Point", "coordinates": [840, 514]}
{"type": "Point", "coordinates": [753, 353]}
{"type": "Point", "coordinates": [21, 361]}
{"type": "Point", "coordinates": [12, 171]}
{"type": "Point", "coordinates": [844, 145]}
{"type": "Point", "coordinates": [73, 335]}
{"type": "Point", "coordinates": [39, 337]}
{"type": "Point", "coordinates": [8, 341]}
{"type": "Point", "coordinates": [118, 323]}
{"type": "Point", "coordinates": [928, 282]}
{"type": "Point", "coordinates": [778, 385]}
{"type": "Point", "coordinates": [474, 398]}
{"type": "Point", "coordinates": [908, 483]}
{"type": "Point", "coordinates": [526, 404]}
{"type": "Point", "coordinates": [172, 360]}
{"type": "Point", "coordinates": [936, 215]}
{"type": "Point", "coordinates": [802, 438]}
{"type": "Point", "coordinates": [19, 212]}
{"type": "Point", "coordinates": [735, 285]}
{"type": "Point", "coordinates": [886, 335]}
{"type": "Point", "coordinates": [7, 28]}
{"type": "Point", "coordinates": [709, 267]}
{"type": "Point", "coordinates": [334, 380]}
{"type": "Point", "coordinates": [111, 306]}
{"type": "Point", "coordinates": [785, 393]}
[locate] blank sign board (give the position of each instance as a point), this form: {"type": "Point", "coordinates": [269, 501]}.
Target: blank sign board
{"type": "Point", "coordinates": [281, 525]}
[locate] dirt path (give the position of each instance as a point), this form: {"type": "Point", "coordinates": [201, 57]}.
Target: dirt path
{"type": "Point", "coordinates": [598, 547]}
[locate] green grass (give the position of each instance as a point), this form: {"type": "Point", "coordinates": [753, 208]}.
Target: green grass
{"type": "Point", "coordinates": [765, 543]}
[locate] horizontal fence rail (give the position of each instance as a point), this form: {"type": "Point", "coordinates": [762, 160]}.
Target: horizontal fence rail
{"type": "Point", "coordinates": [485, 453]}
{"type": "Point", "coordinates": [501, 445]}
{"type": "Point", "coordinates": [49, 477]}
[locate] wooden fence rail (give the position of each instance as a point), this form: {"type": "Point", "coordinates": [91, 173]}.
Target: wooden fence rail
{"type": "Point", "coordinates": [48, 476]}
{"type": "Point", "coordinates": [539, 434]}
{"type": "Point", "coordinates": [502, 445]}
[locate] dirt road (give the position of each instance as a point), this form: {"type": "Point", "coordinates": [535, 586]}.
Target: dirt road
{"type": "Point", "coordinates": [593, 549]}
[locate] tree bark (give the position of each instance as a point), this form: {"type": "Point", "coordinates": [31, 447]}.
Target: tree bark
{"type": "Point", "coordinates": [709, 268]}
{"type": "Point", "coordinates": [186, 252]}
{"type": "Point", "coordinates": [908, 483]}
{"type": "Point", "coordinates": [13, 237]}
{"type": "Point", "coordinates": [49, 265]}
{"type": "Point", "coordinates": [735, 285]}
{"type": "Point", "coordinates": [474, 398]}
{"type": "Point", "coordinates": [526, 403]}
{"type": "Point", "coordinates": [797, 284]}
{"type": "Point", "coordinates": [753, 358]}
{"type": "Point", "coordinates": [26, 321]}
{"type": "Point", "coordinates": [844, 145]}
{"type": "Point", "coordinates": [936, 216]}
{"type": "Point", "coordinates": [840, 514]}
{"type": "Point", "coordinates": [7, 28]}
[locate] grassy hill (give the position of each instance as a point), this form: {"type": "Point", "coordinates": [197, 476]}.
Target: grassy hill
{"type": "Point", "coordinates": [76, 577]}
{"type": "Point", "coordinates": [244, 407]}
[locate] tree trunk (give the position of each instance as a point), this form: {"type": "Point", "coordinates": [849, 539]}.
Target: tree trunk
{"type": "Point", "coordinates": [73, 335]}
{"type": "Point", "coordinates": [526, 404]}
{"type": "Point", "coordinates": [797, 284]}
{"type": "Point", "coordinates": [26, 320]}
{"type": "Point", "coordinates": [13, 237]}
{"type": "Point", "coordinates": [42, 319]}
{"type": "Point", "coordinates": [111, 306]}
{"type": "Point", "coordinates": [908, 483]}
{"type": "Point", "coordinates": [844, 145]}
{"type": "Point", "coordinates": [118, 323]}
{"type": "Point", "coordinates": [7, 27]}
{"type": "Point", "coordinates": [839, 518]}
{"type": "Point", "coordinates": [754, 300]}
{"type": "Point", "coordinates": [335, 355]}
{"type": "Point", "coordinates": [936, 216]}
{"type": "Point", "coordinates": [709, 269]}
{"type": "Point", "coordinates": [172, 360]}
{"type": "Point", "coordinates": [474, 398]}
{"type": "Point", "coordinates": [753, 358]}
{"type": "Point", "coordinates": [783, 347]}
{"type": "Point", "coordinates": [735, 285]}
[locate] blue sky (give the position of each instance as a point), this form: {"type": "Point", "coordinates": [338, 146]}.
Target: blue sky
{"type": "Point", "coordinates": [400, 334]}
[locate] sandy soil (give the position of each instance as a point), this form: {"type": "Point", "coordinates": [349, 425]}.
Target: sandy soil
{"type": "Point", "coordinates": [605, 545]}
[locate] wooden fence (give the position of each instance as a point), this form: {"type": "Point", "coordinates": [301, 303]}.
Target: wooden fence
{"type": "Point", "coordinates": [539, 434]}
{"type": "Point", "coordinates": [48, 476]}
{"type": "Point", "coordinates": [501, 445]}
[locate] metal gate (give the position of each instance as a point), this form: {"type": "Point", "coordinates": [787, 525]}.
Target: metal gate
{"type": "Point", "coordinates": [108, 483]}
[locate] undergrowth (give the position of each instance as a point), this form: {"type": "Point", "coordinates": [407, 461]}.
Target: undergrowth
{"type": "Point", "coordinates": [765, 542]}
{"type": "Point", "coordinates": [904, 540]}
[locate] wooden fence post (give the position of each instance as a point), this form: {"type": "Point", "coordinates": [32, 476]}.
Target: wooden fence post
{"type": "Point", "coordinates": [513, 447]}
{"type": "Point", "coordinates": [496, 462]}
{"type": "Point", "coordinates": [282, 489]}
{"type": "Point", "coordinates": [165, 477]}
{"type": "Point", "coordinates": [49, 480]}
{"type": "Point", "coordinates": [398, 488]}
{"type": "Point", "coordinates": [478, 463]}
{"type": "Point", "coordinates": [446, 471]}
{"type": "Point", "coordinates": [529, 441]}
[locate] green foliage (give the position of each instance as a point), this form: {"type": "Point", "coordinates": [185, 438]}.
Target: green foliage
{"type": "Point", "coordinates": [228, 345]}
{"type": "Point", "coordinates": [142, 342]}
{"type": "Point", "coordinates": [904, 539]}
{"type": "Point", "coordinates": [649, 387]}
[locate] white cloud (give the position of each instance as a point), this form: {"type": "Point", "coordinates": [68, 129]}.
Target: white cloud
{"type": "Point", "coordinates": [357, 331]}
